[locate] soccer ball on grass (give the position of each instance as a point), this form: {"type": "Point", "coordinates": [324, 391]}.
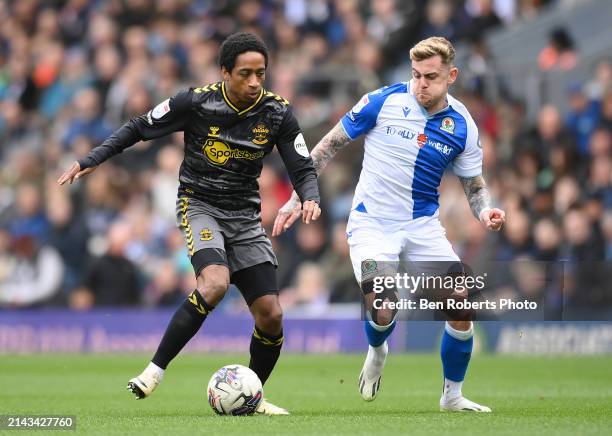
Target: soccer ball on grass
{"type": "Point", "coordinates": [234, 390]}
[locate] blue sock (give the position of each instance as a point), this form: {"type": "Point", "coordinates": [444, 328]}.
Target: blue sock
{"type": "Point", "coordinates": [456, 351]}
{"type": "Point", "coordinates": [378, 334]}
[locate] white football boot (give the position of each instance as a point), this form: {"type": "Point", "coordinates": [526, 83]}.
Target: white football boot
{"type": "Point", "coordinates": [267, 408]}
{"type": "Point", "coordinates": [371, 373]}
{"type": "Point", "coordinates": [143, 385]}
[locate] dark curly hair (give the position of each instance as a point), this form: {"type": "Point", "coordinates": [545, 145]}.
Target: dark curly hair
{"type": "Point", "coordinates": [238, 43]}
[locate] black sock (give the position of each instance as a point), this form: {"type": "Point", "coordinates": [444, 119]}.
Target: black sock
{"type": "Point", "coordinates": [265, 350]}
{"type": "Point", "coordinates": [185, 323]}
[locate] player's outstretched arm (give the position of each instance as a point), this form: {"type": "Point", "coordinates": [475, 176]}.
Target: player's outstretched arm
{"type": "Point", "coordinates": [324, 151]}
{"type": "Point", "coordinates": [167, 117]}
{"type": "Point", "coordinates": [479, 198]}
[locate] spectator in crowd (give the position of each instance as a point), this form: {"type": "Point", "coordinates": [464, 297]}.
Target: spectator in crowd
{"type": "Point", "coordinates": [87, 121]}
{"type": "Point", "coordinates": [69, 235]}
{"type": "Point", "coordinates": [606, 227]}
{"type": "Point", "coordinates": [165, 286]}
{"type": "Point", "coordinates": [483, 17]}
{"type": "Point", "coordinates": [30, 218]}
{"type": "Point", "coordinates": [311, 242]}
{"type": "Point", "coordinates": [583, 117]}
{"type": "Point", "coordinates": [337, 272]}
{"type": "Point", "coordinates": [560, 51]}
{"type": "Point", "coordinates": [582, 241]}
{"type": "Point", "coordinates": [606, 111]}
{"type": "Point", "coordinates": [517, 238]}
{"type": "Point", "coordinates": [31, 273]}
{"type": "Point", "coordinates": [310, 294]}
{"type": "Point", "coordinates": [547, 236]}
{"type": "Point", "coordinates": [112, 280]}
{"type": "Point", "coordinates": [439, 20]}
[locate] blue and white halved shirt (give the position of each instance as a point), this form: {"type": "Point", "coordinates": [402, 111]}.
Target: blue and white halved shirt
{"type": "Point", "coordinates": [407, 151]}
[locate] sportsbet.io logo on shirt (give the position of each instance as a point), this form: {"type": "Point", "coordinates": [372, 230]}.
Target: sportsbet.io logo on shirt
{"type": "Point", "coordinates": [219, 152]}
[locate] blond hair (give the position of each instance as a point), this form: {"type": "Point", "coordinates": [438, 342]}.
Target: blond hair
{"type": "Point", "coordinates": [433, 46]}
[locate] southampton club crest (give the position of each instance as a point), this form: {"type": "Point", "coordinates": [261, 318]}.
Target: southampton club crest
{"type": "Point", "coordinates": [260, 134]}
{"type": "Point", "coordinates": [206, 235]}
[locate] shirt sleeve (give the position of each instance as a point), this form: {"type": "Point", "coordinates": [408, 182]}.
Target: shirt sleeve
{"type": "Point", "coordinates": [292, 148]}
{"type": "Point", "coordinates": [362, 117]}
{"type": "Point", "coordinates": [469, 162]}
{"type": "Point", "coordinates": [169, 116]}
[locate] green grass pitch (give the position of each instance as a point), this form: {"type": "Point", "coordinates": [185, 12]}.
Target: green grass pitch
{"type": "Point", "coordinates": [528, 395]}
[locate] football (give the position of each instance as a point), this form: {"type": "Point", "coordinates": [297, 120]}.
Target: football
{"type": "Point", "coordinates": [234, 390]}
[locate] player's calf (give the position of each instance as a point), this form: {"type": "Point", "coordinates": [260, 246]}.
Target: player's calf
{"type": "Point", "coordinates": [267, 339]}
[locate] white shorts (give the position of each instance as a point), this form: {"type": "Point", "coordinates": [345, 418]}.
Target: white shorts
{"type": "Point", "coordinates": [420, 240]}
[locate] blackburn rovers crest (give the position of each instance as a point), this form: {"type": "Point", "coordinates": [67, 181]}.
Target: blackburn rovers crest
{"type": "Point", "coordinates": [448, 125]}
{"type": "Point", "coordinates": [368, 266]}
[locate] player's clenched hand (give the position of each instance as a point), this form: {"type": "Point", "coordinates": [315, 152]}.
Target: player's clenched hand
{"type": "Point", "coordinates": [493, 219]}
{"type": "Point", "coordinates": [287, 215]}
{"type": "Point", "coordinates": [310, 211]}
{"type": "Point", "coordinates": [73, 173]}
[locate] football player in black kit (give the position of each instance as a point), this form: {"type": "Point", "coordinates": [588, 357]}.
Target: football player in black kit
{"type": "Point", "coordinates": [229, 128]}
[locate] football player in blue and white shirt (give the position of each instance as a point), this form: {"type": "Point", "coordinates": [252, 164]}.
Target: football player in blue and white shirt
{"type": "Point", "coordinates": [413, 132]}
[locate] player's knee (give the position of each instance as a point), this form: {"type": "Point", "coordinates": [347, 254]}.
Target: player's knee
{"type": "Point", "coordinates": [215, 289]}
{"type": "Point", "coordinates": [383, 317]}
{"type": "Point", "coordinates": [381, 306]}
{"type": "Point", "coordinates": [462, 326]}
{"type": "Point", "coordinates": [213, 283]}
{"type": "Point", "coordinates": [270, 320]}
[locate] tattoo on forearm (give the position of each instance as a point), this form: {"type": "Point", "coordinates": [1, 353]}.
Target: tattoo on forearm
{"type": "Point", "coordinates": [327, 148]}
{"type": "Point", "coordinates": [477, 194]}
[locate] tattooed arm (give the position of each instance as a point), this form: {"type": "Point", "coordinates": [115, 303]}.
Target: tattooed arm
{"type": "Point", "coordinates": [335, 140]}
{"type": "Point", "coordinates": [477, 194]}
{"type": "Point", "coordinates": [479, 198]}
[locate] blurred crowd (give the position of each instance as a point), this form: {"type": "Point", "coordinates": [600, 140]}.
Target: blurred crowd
{"type": "Point", "coordinates": [71, 71]}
